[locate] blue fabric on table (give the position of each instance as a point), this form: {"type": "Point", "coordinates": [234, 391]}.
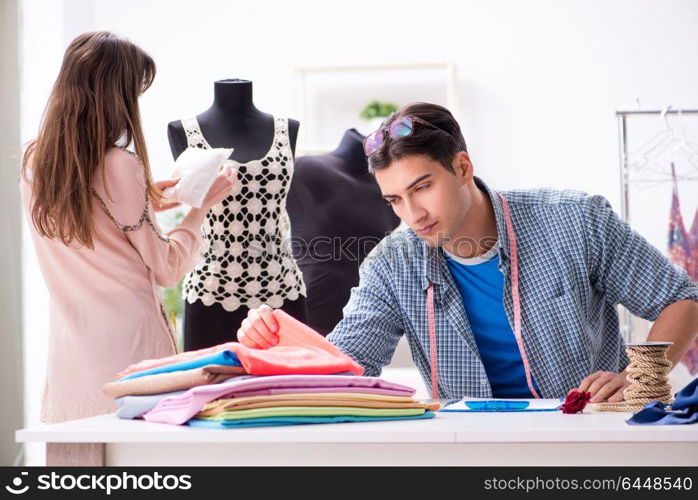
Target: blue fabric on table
{"type": "Point", "coordinates": [278, 421]}
{"type": "Point", "coordinates": [131, 407]}
{"type": "Point", "coordinates": [684, 410]}
{"type": "Point", "coordinates": [228, 358]}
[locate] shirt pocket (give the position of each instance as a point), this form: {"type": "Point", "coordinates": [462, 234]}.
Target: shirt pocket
{"type": "Point", "coordinates": [562, 328]}
{"type": "Point", "coordinates": [558, 290]}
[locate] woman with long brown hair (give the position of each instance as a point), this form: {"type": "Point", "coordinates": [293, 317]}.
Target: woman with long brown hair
{"type": "Point", "coordinates": [90, 203]}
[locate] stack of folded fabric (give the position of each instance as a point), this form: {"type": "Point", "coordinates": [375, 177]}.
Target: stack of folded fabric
{"type": "Point", "coordinates": [138, 391]}
{"type": "Point", "coordinates": [302, 379]}
{"type": "Point", "coordinates": [185, 374]}
{"type": "Point", "coordinates": [291, 399]}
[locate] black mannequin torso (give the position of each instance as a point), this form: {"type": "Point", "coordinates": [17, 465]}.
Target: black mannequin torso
{"type": "Point", "coordinates": [335, 203]}
{"type": "Point", "coordinates": [334, 194]}
{"type": "Point", "coordinates": [233, 121]}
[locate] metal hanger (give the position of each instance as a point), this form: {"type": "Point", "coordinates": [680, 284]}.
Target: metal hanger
{"type": "Point", "coordinates": [649, 164]}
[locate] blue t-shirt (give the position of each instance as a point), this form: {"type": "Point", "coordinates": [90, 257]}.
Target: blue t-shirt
{"type": "Point", "coordinates": [481, 286]}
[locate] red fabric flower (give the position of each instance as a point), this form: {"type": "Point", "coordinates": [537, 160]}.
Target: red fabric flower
{"type": "Point", "coordinates": [575, 402]}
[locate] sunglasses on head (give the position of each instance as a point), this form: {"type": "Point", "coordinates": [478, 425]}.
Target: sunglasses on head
{"type": "Point", "coordinates": [402, 127]}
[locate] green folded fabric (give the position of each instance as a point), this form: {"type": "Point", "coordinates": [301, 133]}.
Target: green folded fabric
{"type": "Point", "coordinates": [315, 411]}
{"type": "Point", "coordinates": [281, 421]}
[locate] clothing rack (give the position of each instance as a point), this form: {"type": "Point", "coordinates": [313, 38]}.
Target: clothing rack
{"type": "Point", "coordinates": [623, 141]}
{"type": "Point", "coordinates": [625, 176]}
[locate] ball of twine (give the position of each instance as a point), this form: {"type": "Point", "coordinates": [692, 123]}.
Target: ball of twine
{"type": "Point", "coordinates": [648, 376]}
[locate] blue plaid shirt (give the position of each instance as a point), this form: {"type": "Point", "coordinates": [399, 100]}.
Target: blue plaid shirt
{"type": "Point", "coordinates": [577, 261]}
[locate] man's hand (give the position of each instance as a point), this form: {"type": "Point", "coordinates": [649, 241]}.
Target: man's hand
{"type": "Point", "coordinates": [604, 385]}
{"type": "Point", "coordinates": [259, 329]}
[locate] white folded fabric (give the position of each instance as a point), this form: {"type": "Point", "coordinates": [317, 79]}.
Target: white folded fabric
{"type": "Point", "coordinates": [197, 169]}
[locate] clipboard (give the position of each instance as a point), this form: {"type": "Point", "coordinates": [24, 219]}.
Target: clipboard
{"type": "Point", "coordinates": [471, 405]}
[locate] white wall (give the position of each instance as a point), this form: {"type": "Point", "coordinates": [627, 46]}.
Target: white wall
{"type": "Point", "coordinates": [41, 55]}
{"type": "Point", "coordinates": [539, 80]}
{"type": "Point", "coordinates": [11, 369]}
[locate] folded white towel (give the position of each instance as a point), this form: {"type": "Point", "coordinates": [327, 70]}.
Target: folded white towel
{"type": "Point", "coordinates": [197, 169]}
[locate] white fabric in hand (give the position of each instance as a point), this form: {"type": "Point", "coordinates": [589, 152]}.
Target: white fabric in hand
{"type": "Point", "coordinates": [197, 169]}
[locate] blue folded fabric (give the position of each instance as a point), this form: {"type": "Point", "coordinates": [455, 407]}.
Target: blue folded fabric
{"type": "Point", "coordinates": [228, 358]}
{"type": "Point", "coordinates": [131, 407]}
{"type": "Point", "coordinates": [683, 411]}
{"type": "Point", "coordinates": [277, 421]}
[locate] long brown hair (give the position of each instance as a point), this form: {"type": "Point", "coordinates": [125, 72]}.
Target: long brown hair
{"type": "Point", "coordinates": [92, 107]}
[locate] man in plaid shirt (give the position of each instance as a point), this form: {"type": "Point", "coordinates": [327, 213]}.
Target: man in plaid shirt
{"type": "Point", "coordinates": [577, 260]}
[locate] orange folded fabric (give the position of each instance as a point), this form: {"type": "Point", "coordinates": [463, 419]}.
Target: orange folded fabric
{"type": "Point", "coordinates": [301, 350]}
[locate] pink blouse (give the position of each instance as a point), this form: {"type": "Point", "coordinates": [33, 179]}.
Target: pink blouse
{"type": "Point", "coordinates": [105, 310]}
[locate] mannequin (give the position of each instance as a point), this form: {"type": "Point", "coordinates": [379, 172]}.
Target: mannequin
{"type": "Point", "coordinates": [233, 121]}
{"type": "Point", "coordinates": [248, 260]}
{"type": "Point", "coordinates": [336, 211]}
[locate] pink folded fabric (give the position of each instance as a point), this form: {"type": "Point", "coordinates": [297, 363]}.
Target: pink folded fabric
{"type": "Point", "coordinates": [301, 350]}
{"type": "Point", "coordinates": [179, 409]}
{"type": "Point", "coordinates": [294, 390]}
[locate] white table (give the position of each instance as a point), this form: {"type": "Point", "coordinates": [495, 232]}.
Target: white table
{"type": "Point", "coordinates": [529, 438]}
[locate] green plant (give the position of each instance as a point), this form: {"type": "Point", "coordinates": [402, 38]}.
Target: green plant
{"type": "Point", "coordinates": [172, 297]}
{"type": "Point", "coordinates": [378, 109]}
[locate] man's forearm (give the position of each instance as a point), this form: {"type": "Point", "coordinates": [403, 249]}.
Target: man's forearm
{"type": "Point", "coordinates": [677, 323]}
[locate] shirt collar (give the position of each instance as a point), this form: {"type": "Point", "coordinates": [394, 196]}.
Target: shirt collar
{"type": "Point", "coordinates": [473, 261]}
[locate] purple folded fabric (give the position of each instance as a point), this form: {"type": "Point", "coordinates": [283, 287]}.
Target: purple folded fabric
{"type": "Point", "coordinates": [179, 409]}
{"type": "Point", "coordinates": [297, 390]}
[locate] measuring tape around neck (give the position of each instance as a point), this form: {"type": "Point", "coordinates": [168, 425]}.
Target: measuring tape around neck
{"type": "Point", "coordinates": [513, 253]}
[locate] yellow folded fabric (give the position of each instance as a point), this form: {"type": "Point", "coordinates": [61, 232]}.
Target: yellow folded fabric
{"type": "Point", "coordinates": [314, 399]}
{"type": "Point", "coordinates": [310, 402]}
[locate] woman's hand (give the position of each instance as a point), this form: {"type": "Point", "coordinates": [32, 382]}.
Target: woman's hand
{"type": "Point", "coordinates": [259, 329]}
{"type": "Point", "coordinates": [165, 204]}
{"type": "Point", "coordinates": [221, 188]}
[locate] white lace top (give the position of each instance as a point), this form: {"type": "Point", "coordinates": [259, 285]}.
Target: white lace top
{"type": "Point", "coordinates": [248, 260]}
